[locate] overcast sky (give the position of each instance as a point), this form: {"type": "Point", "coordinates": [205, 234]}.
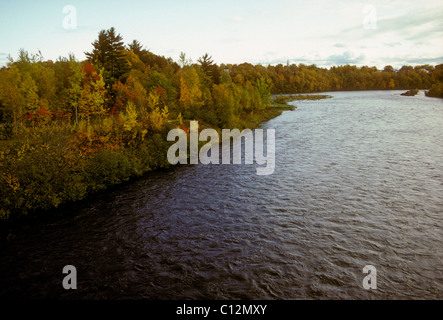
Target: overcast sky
{"type": "Point", "coordinates": [325, 33]}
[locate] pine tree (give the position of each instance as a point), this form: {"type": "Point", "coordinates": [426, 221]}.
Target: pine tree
{"type": "Point", "coordinates": [209, 68]}
{"type": "Point", "coordinates": [137, 48]}
{"type": "Point", "coordinates": [109, 54]}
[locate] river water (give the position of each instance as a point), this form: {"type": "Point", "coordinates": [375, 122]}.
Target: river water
{"type": "Point", "coordinates": [358, 181]}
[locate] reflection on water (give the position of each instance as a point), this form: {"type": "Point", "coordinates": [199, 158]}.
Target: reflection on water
{"type": "Point", "coordinates": [358, 180]}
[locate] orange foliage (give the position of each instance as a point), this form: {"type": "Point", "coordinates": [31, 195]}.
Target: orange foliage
{"type": "Point", "coordinates": [39, 117]}
{"type": "Point", "coordinates": [90, 73]}
{"type": "Point", "coordinates": [90, 143]}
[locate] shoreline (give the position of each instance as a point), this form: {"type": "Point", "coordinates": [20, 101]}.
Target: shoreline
{"type": "Point", "coordinates": [17, 219]}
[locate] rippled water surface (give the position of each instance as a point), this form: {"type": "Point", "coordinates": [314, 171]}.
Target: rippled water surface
{"type": "Point", "coordinates": [358, 181]}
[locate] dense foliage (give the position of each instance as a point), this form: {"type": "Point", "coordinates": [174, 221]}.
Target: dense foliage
{"type": "Point", "coordinates": [69, 128]}
{"type": "Point", "coordinates": [287, 79]}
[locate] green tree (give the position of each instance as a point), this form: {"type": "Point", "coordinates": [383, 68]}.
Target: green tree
{"type": "Point", "coordinates": [210, 69]}
{"type": "Point", "coordinates": [137, 48]}
{"type": "Point", "coordinates": [11, 99]}
{"type": "Point", "coordinates": [223, 105]}
{"type": "Point", "coordinates": [108, 53]}
{"type": "Point", "coordinates": [264, 89]}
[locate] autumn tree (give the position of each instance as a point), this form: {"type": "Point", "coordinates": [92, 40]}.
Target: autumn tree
{"type": "Point", "coordinates": [74, 89]}
{"type": "Point", "coordinates": [11, 100]}
{"type": "Point", "coordinates": [264, 89]}
{"type": "Point", "coordinates": [190, 89]}
{"type": "Point", "coordinates": [436, 89]}
{"type": "Point", "coordinates": [223, 105]}
{"type": "Point", "coordinates": [28, 89]}
{"type": "Point", "coordinates": [93, 94]}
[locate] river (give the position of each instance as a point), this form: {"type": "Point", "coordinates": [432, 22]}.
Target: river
{"type": "Point", "coordinates": [358, 181]}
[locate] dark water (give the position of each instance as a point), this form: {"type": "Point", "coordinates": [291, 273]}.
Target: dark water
{"type": "Point", "coordinates": [358, 181]}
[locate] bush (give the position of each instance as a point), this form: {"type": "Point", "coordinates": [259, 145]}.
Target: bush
{"type": "Point", "coordinates": [107, 168]}
{"type": "Point", "coordinates": [436, 90]}
{"type": "Point", "coordinates": [38, 174]}
{"type": "Point", "coordinates": [6, 130]}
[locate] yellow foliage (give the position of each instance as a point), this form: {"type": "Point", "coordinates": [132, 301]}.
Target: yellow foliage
{"type": "Point", "coordinates": [130, 117]}
{"type": "Point", "coordinates": [185, 95]}
{"type": "Point", "coordinates": [158, 118]}
{"type": "Point", "coordinates": [153, 100]}
{"type": "Point", "coordinates": [12, 182]}
{"type": "Point", "coordinates": [191, 94]}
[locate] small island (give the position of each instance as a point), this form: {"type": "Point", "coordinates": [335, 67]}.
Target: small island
{"type": "Point", "coordinates": [410, 93]}
{"type": "Point", "coordinates": [282, 100]}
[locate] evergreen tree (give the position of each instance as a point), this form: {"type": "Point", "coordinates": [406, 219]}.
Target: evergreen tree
{"type": "Point", "coordinates": [137, 48]}
{"type": "Point", "coordinates": [209, 68]}
{"type": "Point", "coordinates": [109, 54]}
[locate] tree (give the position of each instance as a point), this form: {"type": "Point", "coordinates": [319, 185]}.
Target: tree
{"type": "Point", "coordinates": [137, 48]}
{"type": "Point", "coordinates": [144, 56]}
{"type": "Point", "coordinates": [28, 89]}
{"type": "Point", "coordinates": [109, 54]}
{"type": "Point", "coordinates": [137, 93]}
{"type": "Point", "coordinates": [209, 68]}
{"type": "Point", "coordinates": [190, 89]}
{"type": "Point", "coordinates": [389, 69]}
{"type": "Point", "coordinates": [75, 85]}
{"type": "Point", "coordinates": [263, 87]}
{"type": "Point", "coordinates": [223, 105]}
{"type": "Point", "coordinates": [11, 99]}
{"type": "Point", "coordinates": [93, 94]}
{"type": "Point", "coordinates": [183, 61]}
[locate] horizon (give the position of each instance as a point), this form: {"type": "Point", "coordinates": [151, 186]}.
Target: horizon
{"type": "Point", "coordinates": [324, 33]}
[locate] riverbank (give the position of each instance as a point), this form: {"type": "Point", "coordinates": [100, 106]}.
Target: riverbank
{"type": "Point", "coordinates": [53, 166]}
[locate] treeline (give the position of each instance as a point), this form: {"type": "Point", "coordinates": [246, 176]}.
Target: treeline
{"type": "Point", "coordinates": [116, 79]}
{"type": "Point", "coordinates": [288, 79]}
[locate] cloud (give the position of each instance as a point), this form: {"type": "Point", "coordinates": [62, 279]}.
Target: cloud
{"type": "Point", "coordinates": [271, 53]}
{"type": "Point", "coordinates": [340, 45]}
{"type": "Point", "coordinates": [346, 57]}
{"type": "Point", "coordinates": [392, 44]}
{"type": "Point", "coordinates": [408, 60]}
{"type": "Point", "coordinates": [409, 26]}
{"type": "Point", "coordinates": [235, 18]}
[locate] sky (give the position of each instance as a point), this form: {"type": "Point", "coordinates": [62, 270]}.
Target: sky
{"type": "Point", "coordinates": [324, 33]}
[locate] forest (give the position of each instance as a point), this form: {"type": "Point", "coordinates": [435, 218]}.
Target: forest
{"type": "Point", "coordinates": [71, 128]}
